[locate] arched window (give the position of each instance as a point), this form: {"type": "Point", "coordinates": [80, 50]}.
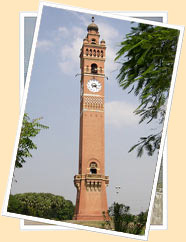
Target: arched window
{"type": "Point", "coordinates": [94, 68]}
{"type": "Point", "coordinates": [93, 168]}
{"type": "Point", "coordinates": [101, 53]}
{"type": "Point", "coordinates": [94, 52]}
{"type": "Point", "coordinates": [93, 41]}
{"type": "Point", "coordinates": [90, 52]}
{"type": "Point", "coordinates": [86, 51]}
{"type": "Point", "coordinates": [98, 53]}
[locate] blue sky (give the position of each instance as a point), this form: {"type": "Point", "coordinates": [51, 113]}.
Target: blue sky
{"type": "Point", "coordinates": [54, 94]}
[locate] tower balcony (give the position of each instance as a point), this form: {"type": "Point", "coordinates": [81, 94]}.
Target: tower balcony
{"type": "Point", "coordinates": [91, 180]}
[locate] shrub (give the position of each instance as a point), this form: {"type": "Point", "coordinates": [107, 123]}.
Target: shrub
{"type": "Point", "coordinates": [43, 205]}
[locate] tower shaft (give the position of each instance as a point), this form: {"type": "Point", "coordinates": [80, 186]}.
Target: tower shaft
{"type": "Point", "coordinates": [91, 181]}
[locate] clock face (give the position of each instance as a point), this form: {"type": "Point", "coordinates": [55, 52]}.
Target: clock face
{"type": "Point", "coordinates": [94, 85]}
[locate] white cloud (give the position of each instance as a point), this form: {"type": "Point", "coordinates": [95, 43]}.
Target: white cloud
{"type": "Point", "coordinates": [108, 32]}
{"type": "Point", "coordinates": [66, 67]}
{"type": "Point", "coordinates": [69, 54]}
{"type": "Point", "coordinates": [44, 45]}
{"type": "Point", "coordinates": [111, 36]}
{"type": "Point", "coordinates": [63, 31]}
{"type": "Point", "coordinates": [82, 18]}
{"type": "Point", "coordinates": [69, 57]}
{"type": "Point", "coordinates": [119, 114]}
{"type": "Point", "coordinates": [79, 32]}
{"type": "Point", "coordinates": [110, 64]}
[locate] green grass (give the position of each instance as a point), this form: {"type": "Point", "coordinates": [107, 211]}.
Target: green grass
{"type": "Point", "coordinates": [96, 224]}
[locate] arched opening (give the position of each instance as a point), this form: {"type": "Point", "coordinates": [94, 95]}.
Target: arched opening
{"type": "Point", "coordinates": [93, 41]}
{"type": "Point", "coordinates": [86, 51]}
{"type": "Point", "coordinates": [94, 68]}
{"type": "Point", "coordinates": [101, 53]}
{"type": "Point", "coordinates": [93, 171]}
{"type": "Point", "coordinates": [93, 168]}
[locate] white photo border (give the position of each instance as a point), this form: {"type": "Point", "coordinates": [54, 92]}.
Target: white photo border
{"type": "Point", "coordinates": [60, 6]}
{"type": "Point", "coordinates": [164, 16]}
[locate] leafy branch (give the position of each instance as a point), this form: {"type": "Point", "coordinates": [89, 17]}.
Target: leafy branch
{"type": "Point", "coordinates": [147, 55]}
{"type": "Point", "coordinates": [30, 129]}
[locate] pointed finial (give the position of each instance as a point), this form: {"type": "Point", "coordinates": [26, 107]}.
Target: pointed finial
{"type": "Point", "coordinates": [92, 26]}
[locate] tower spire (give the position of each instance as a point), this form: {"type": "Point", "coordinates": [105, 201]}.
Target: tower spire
{"type": "Point", "coordinates": [92, 26]}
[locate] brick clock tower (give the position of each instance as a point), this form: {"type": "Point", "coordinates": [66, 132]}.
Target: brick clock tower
{"type": "Point", "coordinates": [91, 181]}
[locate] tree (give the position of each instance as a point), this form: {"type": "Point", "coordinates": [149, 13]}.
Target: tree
{"type": "Point", "coordinates": [147, 57]}
{"type": "Point", "coordinates": [43, 205]}
{"type": "Point", "coordinates": [140, 223]}
{"type": "Point", "coordinates": [126, 222]}
{"type": "Point", "coordinates": [30, 128]}
{"type": "Point", "coordinates": [121, 216]}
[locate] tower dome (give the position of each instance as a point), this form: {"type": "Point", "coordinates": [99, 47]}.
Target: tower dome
{"type": "Point", "coordinates": [102, 42]}
{"type": "Point", "coordinates": [92, 26]}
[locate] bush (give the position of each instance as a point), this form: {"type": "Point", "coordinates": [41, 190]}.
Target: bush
{"type": "Point", "coordinates": [126, 222]}
{"type": "Point", "coordinates": [43, 205]}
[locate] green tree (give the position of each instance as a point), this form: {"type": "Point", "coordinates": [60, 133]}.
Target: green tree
{"type": "Point", "coordinates": [121, 216]}
{"type": "Point", "coordinates": [30, 128]}
{"type": "Point", "coordinates": [43, 205]}
{"type": "Point", "coordinates": [147, 57]}
{"type": "Point", "coordinates": [14, 205]}
{"type": "Point", "coordinates": [140, 223]}
{"type": "Point", "coordinates": [126, 222]}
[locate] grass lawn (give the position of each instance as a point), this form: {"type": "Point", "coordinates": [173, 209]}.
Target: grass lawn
{"type": "Point", "coordinates": [96, 224]}
{"type": "Point", "coordinates": [99, 224]}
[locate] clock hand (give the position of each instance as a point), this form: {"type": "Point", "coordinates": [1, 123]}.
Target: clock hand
{"type": "Point", "coordinates": [94, 85]}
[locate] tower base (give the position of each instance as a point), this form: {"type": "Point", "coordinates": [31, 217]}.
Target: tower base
{"type": "Point", "coordinates": [88, 217]}
{"type": "Point", "coordinates": [91, 201]}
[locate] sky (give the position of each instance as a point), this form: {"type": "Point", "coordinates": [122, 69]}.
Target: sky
{"type": "Point", "coordinates": [54, 94]}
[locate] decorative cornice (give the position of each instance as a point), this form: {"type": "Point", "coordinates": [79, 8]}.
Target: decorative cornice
{"type": "Point", "coordinates": [98, 75]}
{"type": "Point", "coordinates": [94, 34]}
{"type": "Point", "coordinates": [93, 95]}
{"type": "Point", "coordinates": [93, 58]}
{"type": "Point", "coordinates": [92, 110]}
{"type": "Point", "coordinates": [94, 45]}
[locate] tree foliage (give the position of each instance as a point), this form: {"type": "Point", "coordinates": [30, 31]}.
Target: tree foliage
{"type": "Point", "coordinates": [43, 205]}
{"type": "Point", "coordinates": [30, 129]}
{"type": "Point", "coordinates": [147, 57]}
{"type": "Point", "coordinates": [126, 222]}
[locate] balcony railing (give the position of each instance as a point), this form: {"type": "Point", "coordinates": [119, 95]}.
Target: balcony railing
{"type": "Point", "coordinates": [91, 176]}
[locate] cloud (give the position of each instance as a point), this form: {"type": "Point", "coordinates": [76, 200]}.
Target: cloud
{"type": "Point", "coordinates": [63, 31]}
{"type": "Point", "coordinates": [44, 45]}
{"type": "Point", "coordinates": [69, 57]}
{"type": "Point", "coordinates": [86, 21]}
{"type": "Point", "coordinates": [120, 114]}
{"type": "Point", "coordinates": [110, 65]}
{"type": "Point", "coordinates": [79, 32]}
{"type": "Point", "coordinates": [108, 32]}
{"type": "Point", "coordinates": [69, 53]}
{"type": "Point", "coordinates": [111, 36]}
{"type": "Point", "coordinates": [66, 67]}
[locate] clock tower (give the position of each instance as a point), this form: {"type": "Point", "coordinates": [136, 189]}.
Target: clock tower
{"type": "Point", "coordinates": [91, 181]}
